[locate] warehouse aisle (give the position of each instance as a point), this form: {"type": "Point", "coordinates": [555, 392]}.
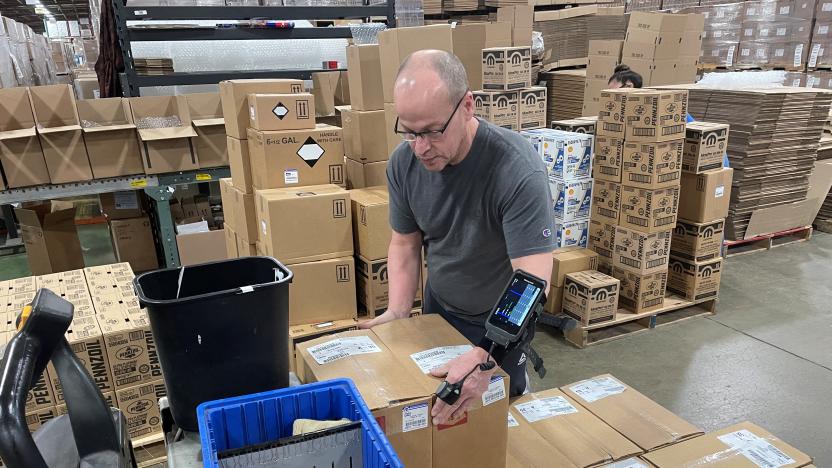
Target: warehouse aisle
{"type": "Point", "coordinates": [765, 357]}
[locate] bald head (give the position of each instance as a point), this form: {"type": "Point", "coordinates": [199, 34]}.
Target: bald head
{"type": "Point", "coordinates": [435, 71]}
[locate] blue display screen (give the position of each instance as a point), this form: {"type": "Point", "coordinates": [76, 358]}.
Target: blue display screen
{"type": "Point", "coordinates": [516, 304]}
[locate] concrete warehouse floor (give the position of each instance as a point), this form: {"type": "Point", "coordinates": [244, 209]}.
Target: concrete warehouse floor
{"type": "Point", "coordinates": [765, 357]}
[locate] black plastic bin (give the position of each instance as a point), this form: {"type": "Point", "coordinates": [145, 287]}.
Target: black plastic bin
{"type": "Point", "coordinates": [221, 330]}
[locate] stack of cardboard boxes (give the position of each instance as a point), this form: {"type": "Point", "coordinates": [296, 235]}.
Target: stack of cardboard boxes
{"type": "Point", "coordinates": [820, 55]}
{"type": "Point", "coordinates": [507, 98]}
{"type": "Point", "coordinates": [639, 146]}
{"type": "Point", "coordinates": [663, 48]}
{"type": "Point", "coordinates": [132, 234]}
{"type": "Point", "coordinates": [604, 56]}
{"type": "Point", "coordinates": [721, 35]}
{"type": "Point", "coordinates": [776, 34]}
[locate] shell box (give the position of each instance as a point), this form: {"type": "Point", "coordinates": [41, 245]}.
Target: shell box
{"type": "Point", "coordinates": [572, 199]}
{"type": "Point", "coordinates": [506, 68]}
{"type": "Point", "coordinates": [602, 241]}
{"type": "Point", "coordinates": [609, 152]}
{"type": "Point", "coordinates": [568, 156]}
{"type": "Point", "coordinates": [695, 281]}
{"type": "Point", "coordinates": [705, 145]}
{"type": "Point", "coordinates": [641, 293]}
{"type": "Point", "coordinates": [606, 201]}
{"type": "Point", "coordinates": [655, 115]}
{"type": "Point", "coordinates": [590, 296]}
{"type": "Point", "coordinates": [498, 107]}
{"type": "Point", "coordinates": [571, 234]}
{"type": "Point", "coordinates": [651, 165]}
{"type": "Point", "coordinates": [532, 108]}
{"type": "Point", "coordinates": [140, 406]}
{"type": "Point", "coordinates": [641, 252]}
{"type": "Point", "coordinates": [697, 241]}
{"type": "Point", "coordinates": [648, 210]}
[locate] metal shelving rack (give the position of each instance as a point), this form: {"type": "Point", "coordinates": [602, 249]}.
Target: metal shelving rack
{"type": "Point", "coordinates": [131, 82]}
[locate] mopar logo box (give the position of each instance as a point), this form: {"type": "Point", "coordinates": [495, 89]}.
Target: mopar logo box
{"type": "Point", "coordinates": [697, 241]}
{"type": "Point", "coordinates": [590, 296]}
{"type": "Point", "coordinates": [695, 281]}
{"type": "Point", "coordinates": [506, 68]}
{"type": "Point", "coordinates": [705, 145]}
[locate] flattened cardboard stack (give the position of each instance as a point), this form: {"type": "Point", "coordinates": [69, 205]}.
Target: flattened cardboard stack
{"type": "Point", "coordinates": [153, 66]}
{"type": "Point", "coordinates": [775, 34]}
{"type": "Point", "coordinates": [721, 34]}
{"type": "Point", "coordinates": [565, 89]}
{"type": "Point", "coordinates": [566, 33]}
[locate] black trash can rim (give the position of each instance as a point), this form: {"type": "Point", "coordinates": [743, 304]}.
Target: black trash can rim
{"type": "Point", "coordinates": [144, 300]}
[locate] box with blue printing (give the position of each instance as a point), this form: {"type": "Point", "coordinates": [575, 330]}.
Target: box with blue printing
{"type": "Point", "coordinates": [571, 234]}
{"type": "Point", "coordinates": [567, 155]}
{"type": "Point", "coordinates": [571, 199]}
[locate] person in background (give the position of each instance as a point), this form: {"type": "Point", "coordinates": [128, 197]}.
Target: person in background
{"type": "Point", "coordinates": [624, 77]}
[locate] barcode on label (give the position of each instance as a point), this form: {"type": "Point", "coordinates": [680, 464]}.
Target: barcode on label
{"type": "Point", "coordinates": [756, 449]}
{"type": "Point", "coordinates": [730, 60]}
{"type": "Point", "coordinates": [598, 388]}
{"type": "Point", "coordinates": [545, 408]}
{"type": "Point", "coordinates": [414, 417]}
{"type": "Point", "coordinates": [798, 54]}
{"type": "Point", "coordinates": [495, 392]}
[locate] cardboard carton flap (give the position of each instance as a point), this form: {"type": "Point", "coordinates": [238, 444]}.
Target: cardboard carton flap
{"type": "Point", "coordinates": [208, 122]}
{"type": "Point", "coordinates": [27, 217]}
{"type": "Point", "coordinates": [109, 128]}
{"type": "Point", "coordinates": [65, 128]}
{"type": "Point", "coordinates": [153, 134]}
{"type": "Point", "coordinates": [22, 133]}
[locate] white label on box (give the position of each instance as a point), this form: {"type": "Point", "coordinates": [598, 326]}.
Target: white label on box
{"type": "Point", "coordinates": [496, 391]}
{"type": "Point", "coordinates": [290, 176]}
{"type": "Point", "coordinates": [730, 60]}
{"type": "Point", "coordinates": [340, 348]}
{"type": "Point", "coordinates": [720, 13]}
{"type": "Point", "coordinates": [433, 358]}
{"type": "Point", "coordinates": [796, 82]}
{"type": "Point", "coordinates": [414, 417]}
{"type": "Point", "coordinates": [511, 421]}
{"type": "Point", "coordinates": [756, 449]}
{"type": "Point", "coordinates": [784, 10]}
{"type": "Point", "coordinates": [96, 93]}
{"type": "Point", "coordinates": [126, 200]}
{"type": "Point", "coordinates": [781, 31]}
{"type": "Point", "coordinates": [596, 389]}
{"type": "Point", "coordinates": [252, 113]}
{"type": "Point", "coordinates": [779, 52]}
{"type": "Point", "coordinates": [813, 56]}
{"type": "Point", "coordinates": [263, 226]}
{"type": "Point", "coordinates": [823, 29]}
{"type": "Point", "coordinates": [719, 191]}
{"type": "Point", "coordinates": [628, 463]}
{"type": "Point", "coordinates": [748, 32]}
{"type": "Point", "coordinates": [745, 52]}
{"type": "Point", "coordinates": [826, 7]}
{"type": "Point", "coordinates": [545, 408]}
{"type": "Point", "coordinates": [715, 53]}
{"type": "Point", "coordinates": [144, 12]}
{"type": "Point", "coordinates": [751, 12]}
{"type": "Point", "coordinates": [798, 54]}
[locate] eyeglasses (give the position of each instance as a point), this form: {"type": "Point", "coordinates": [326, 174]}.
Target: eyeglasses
{"type": "Point", "coordinates": [432, 135]}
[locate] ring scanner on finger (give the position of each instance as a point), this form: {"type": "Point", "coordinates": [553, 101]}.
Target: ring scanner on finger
{"type": "Point", "coordinates": [508, 326]}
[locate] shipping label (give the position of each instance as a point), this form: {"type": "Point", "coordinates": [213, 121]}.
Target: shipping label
{"type": "Point", "coordinates": [496, 391]}
{"type": "Point", "coordinates": [434, 358]}
{"type": "Point", "coordinates": [511, 421]}
{"type": "Point", "coordinates": [414, 417]}
{"type": "Point", "coordinates": [756, 449]}
{"type": "Point", "coordinates": [340, 348]}
{"type": "Point", "coordinates": [596, 389]}
{"type": "Point", "coordinates": [545, 408]}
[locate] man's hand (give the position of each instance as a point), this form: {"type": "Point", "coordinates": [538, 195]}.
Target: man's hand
{"type": "Point", "coordinates": [475, 385]}
{"type": "Point", "coordinates": [387, 316]}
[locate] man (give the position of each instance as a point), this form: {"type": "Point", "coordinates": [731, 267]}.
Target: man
{"type": "Point", "coordinates": [477, 197]}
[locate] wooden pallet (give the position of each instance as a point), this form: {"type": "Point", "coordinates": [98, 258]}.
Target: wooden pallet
{"type": "Point", "coordinates": [823, 225]}
{"type": "Point", "coordinates": [626, 323]}
{"type": "Point", "coordinates": [767, 241]}
{"type": "Point", "coordinates": [150, 450]}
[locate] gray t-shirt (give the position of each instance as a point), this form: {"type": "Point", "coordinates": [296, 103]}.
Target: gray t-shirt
{"type": "Point", "coordinates": [475, 216]}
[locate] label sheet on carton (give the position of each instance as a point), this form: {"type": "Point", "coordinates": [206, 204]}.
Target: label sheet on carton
{"type": "Point", "coordinates": [414, 417]}
{"type": "Point", "coordinates": [596, 389]}
{"type": "Point", "coordinates": [756, 449]}
{"type": "Point", "coordinates": [628, 463]}
{"type": "Point", "coordinates": [545, 408]}
{"type": "Point", "coordinates": [496, 391]}
{"type": "Point", "coordinates": [511, 421]}
{"type": "Point", "coordinates": [433, 358]}
{"type": "Point", "coordinates": [340, 348]}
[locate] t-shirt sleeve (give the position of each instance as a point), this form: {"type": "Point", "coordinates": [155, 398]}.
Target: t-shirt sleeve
{"type": "Point", "coordinates": [528, 217]}
{"type": "Point", "coordinates": [402, 219]}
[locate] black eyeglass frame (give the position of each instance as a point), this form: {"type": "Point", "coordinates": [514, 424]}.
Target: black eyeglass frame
{"type": "Point", "coordinates": [429, 133]}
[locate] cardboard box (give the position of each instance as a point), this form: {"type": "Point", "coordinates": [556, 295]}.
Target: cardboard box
{"type": "Point", "coordinates": [574, 436]}
{"type": "Point", "coordinates": [86, 88]}
{"type": "Point", "coordinates": [372, 287]}
{"type": "Point", "coordinates": [49, 234]}
{"type": "Point", "coordinates": [648, 210]}
{"type": "Point", "coordinates": [201, 247]}
{"type": "Point", "coordinates": [307, 332]}
{"type": "Point", "coordinates": [360, 175]}
{"type": "Point", "coordinates": [695, 281]}
{"type": "Point", "coordinates": [483, 428]}
{"type": "Point", "coordinates": [571, 261]}
{"type": "Point", "coordinates": [554, 301]}
{"type": "Point", "coordinates": [281, 111]}
{"type": "Point", "coordinates": [571, 234]}
{"type": "Point", "coordinates": [330, 89]}
{"type": "Point", "coordinates": [234, 99]}
{"type": "Point", "coordinates": [110, 136]}
{"type": "Point", "coordinates": [605, 48]}
{"type": "Point", "coordinates": [655, 115]}
{"type": "Point", "coordinates": [20, 152]}
{"type": "Point", "coordinates": [239, 162]}
{"type": "Point", "coordinates": [471, 38]}
{"type": "Point", "coordinates": [121, 205]}
{"type": "Point", "coordinates": [705, 197]}
{"type": "Point", "coordinates": [365, 135]}
{"type": "Point", "coordinates": [36, 419]}
{"type": "Point", "coordinates": [635, 416]}
{"type": "Point", "coordinates": [133, 243]}
{"type": "Point", "coordinates": [705, 146]}
{"type": "Point", "coordinates": [602, 241]}
{"type": "Point", "coordinates": [641, 293]}
{"type": "Point", "coordinates": [59, 130]}
{"type": "Point", "coordinates": [239, 210]}
{"type": "Point", "coordinates": [506, 68]}
{"type": "Point", "coordinates": [606, 201]}
{"type": "Point", "coordinates": [336, 277]}
{"type": "Point", "coordinates": [296, 157]}
{"type": "Point", "coordinates": [396, 44]}
{"type": "Point", "coordinates": [41, 394]}
{"type": "Point", "coordinates": [87, 342]}
{"type": "Point", "coordinates": [246, 248]}
{"type": "Point", "coordinates": [571, 199]}
{"type": "Point", "coordinates": [326, 232]}
{"type": "Point", "coordinates": [168, 149]}
{"type": "Point", "coordinates": [140, 405]}
{"type": "Point", "coordinates": [521, 18]}
{"type": "Point", "coordinates": [398, 402]}
{"type": "Point", "coordinates": [109, 398]}
{"type": "Point", "coordinates": [652, 165]}
{"type": "Point", "coordinates": [590, 296]}
{"type": "Point", "coordinates": [371, 224]}
{"type": "Point", "coordinates": [393, 139]}
{"type": "Point", "coordinates": [364, 64]}
{"type": "Point", "coordinates": [211, 143]}
{"type": "Point", "coordinates": [609, 153]}
{"type": "Point", "coordinates": [568, 156]}
{"type": "Point", "coordinates": [532, 108]}
{"type": "Point", "coordinates": [498, 107]}
{"type": "Point", "coordinates": [126, 346]}
{"type": "Point", "coordinates": [230, 242]}
{"type": "Point", "coordinates": [640, 252]}
{"type": "Point", "coordinates": [697, 241]}
{"type": "Point", "coordinates": [740, 445]}
{"type": "Point", "coordinates": [612, 105]}
{"type": "Point", "coordinates": [575, 126]}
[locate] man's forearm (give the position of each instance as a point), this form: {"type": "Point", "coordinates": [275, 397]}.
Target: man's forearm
{"type": "Point", "coordinates": [403, 267]}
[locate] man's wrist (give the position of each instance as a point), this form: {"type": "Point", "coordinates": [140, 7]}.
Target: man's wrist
{"type": "Point", "coordinates": [399, 313]}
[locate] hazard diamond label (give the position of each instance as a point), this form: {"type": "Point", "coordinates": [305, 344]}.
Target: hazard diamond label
{"type": "Point", "coordinates": [311, 151]}
{"type": "Point", "coordinates": [280, 110]}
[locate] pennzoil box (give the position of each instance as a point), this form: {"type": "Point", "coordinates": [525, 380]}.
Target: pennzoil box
{"type": "Point", "coordinates": [652, 165]}
{"type": "Point", "coordinates": [296, 157]}
{"type": "Point", "coordinates": [695, 281]}
{"type": "Point", "coordinates": [606, 201]}
{"type": "Point", "coordinates": [140, 406]}
{"type": "Point", "coordinates": [641, 293]}
{"type": "Point", "coordinates": [641, 252]}
{"type": "Point", "coordinates": [602, 241]}
{"type": "Point", "coordinates": [590, 296]}
{"type": "Point", "coordinates": [609, 152]}
{"type": "Point", "coordinates": [648, 210]}
{"type": "Point", "coordinates": [87, 342]}
{"type": "Point", "coordinates": [655, 115]}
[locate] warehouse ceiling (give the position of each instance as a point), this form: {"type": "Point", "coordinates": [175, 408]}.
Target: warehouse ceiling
{"type": "Point", "coordinates": [61, 10]}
